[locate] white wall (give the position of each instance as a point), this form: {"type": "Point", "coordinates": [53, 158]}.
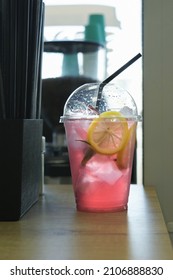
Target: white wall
{"type": "Point", "coordinates": [158, 101]}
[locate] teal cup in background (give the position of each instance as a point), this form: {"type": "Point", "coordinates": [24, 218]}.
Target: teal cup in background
{"type": "Point", "coordinates": [99, 19]}
{"type": "Point", "coordinates": [94, 33]}
{"type": "Point", "coordinates": [70, 66]}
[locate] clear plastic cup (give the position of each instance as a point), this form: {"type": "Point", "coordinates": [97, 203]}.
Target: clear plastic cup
{"type": "Point", "coordinates": [101, 144]}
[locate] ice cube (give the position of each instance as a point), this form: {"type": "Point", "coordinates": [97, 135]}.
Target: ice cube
{"type": "Point", "coordinates": [126, 111]}
{"type": "Point", "coordinates": [103, 168]}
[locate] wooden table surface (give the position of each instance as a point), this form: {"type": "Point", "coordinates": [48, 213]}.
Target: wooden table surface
{"type": "Point", "coordinates": [53, 229]}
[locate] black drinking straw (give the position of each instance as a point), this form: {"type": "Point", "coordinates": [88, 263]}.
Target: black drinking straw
{"type": "Point", "coordinates": [23, 12]}
{"type": "Point", "coordinates": [2, 100]}
{"type": "Point", "coordinates": [41, 48]}
{"type": "Point", "coordinates": [33, 65]}
{"type": "Point", "coordinates": [12, 58]}
{"type": "Point", "coordinates": [115, 74]}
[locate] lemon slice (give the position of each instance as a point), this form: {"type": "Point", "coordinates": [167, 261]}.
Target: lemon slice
{"type": "Point", "coordinates": [123, 156]}
{"type": "Point", "coordinates": [107, 134]}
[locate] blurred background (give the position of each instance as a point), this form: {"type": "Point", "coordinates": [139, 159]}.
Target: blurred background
{"type": "Point", "coordinates": [75, 52]}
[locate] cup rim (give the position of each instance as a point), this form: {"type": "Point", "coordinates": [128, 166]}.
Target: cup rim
{"type": "Point", "coordinates": [137, 118]}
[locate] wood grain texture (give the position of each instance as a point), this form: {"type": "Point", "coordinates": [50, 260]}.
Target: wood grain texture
{"type": "Point", "coordinates": [53, 229]}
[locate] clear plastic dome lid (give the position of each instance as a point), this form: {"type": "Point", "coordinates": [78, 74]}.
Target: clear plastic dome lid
{"type": "Point", "coordinates": [82, 103]}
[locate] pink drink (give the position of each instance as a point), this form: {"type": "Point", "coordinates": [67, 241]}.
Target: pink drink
{"type": "Point", "coordinates": [101, 182]}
